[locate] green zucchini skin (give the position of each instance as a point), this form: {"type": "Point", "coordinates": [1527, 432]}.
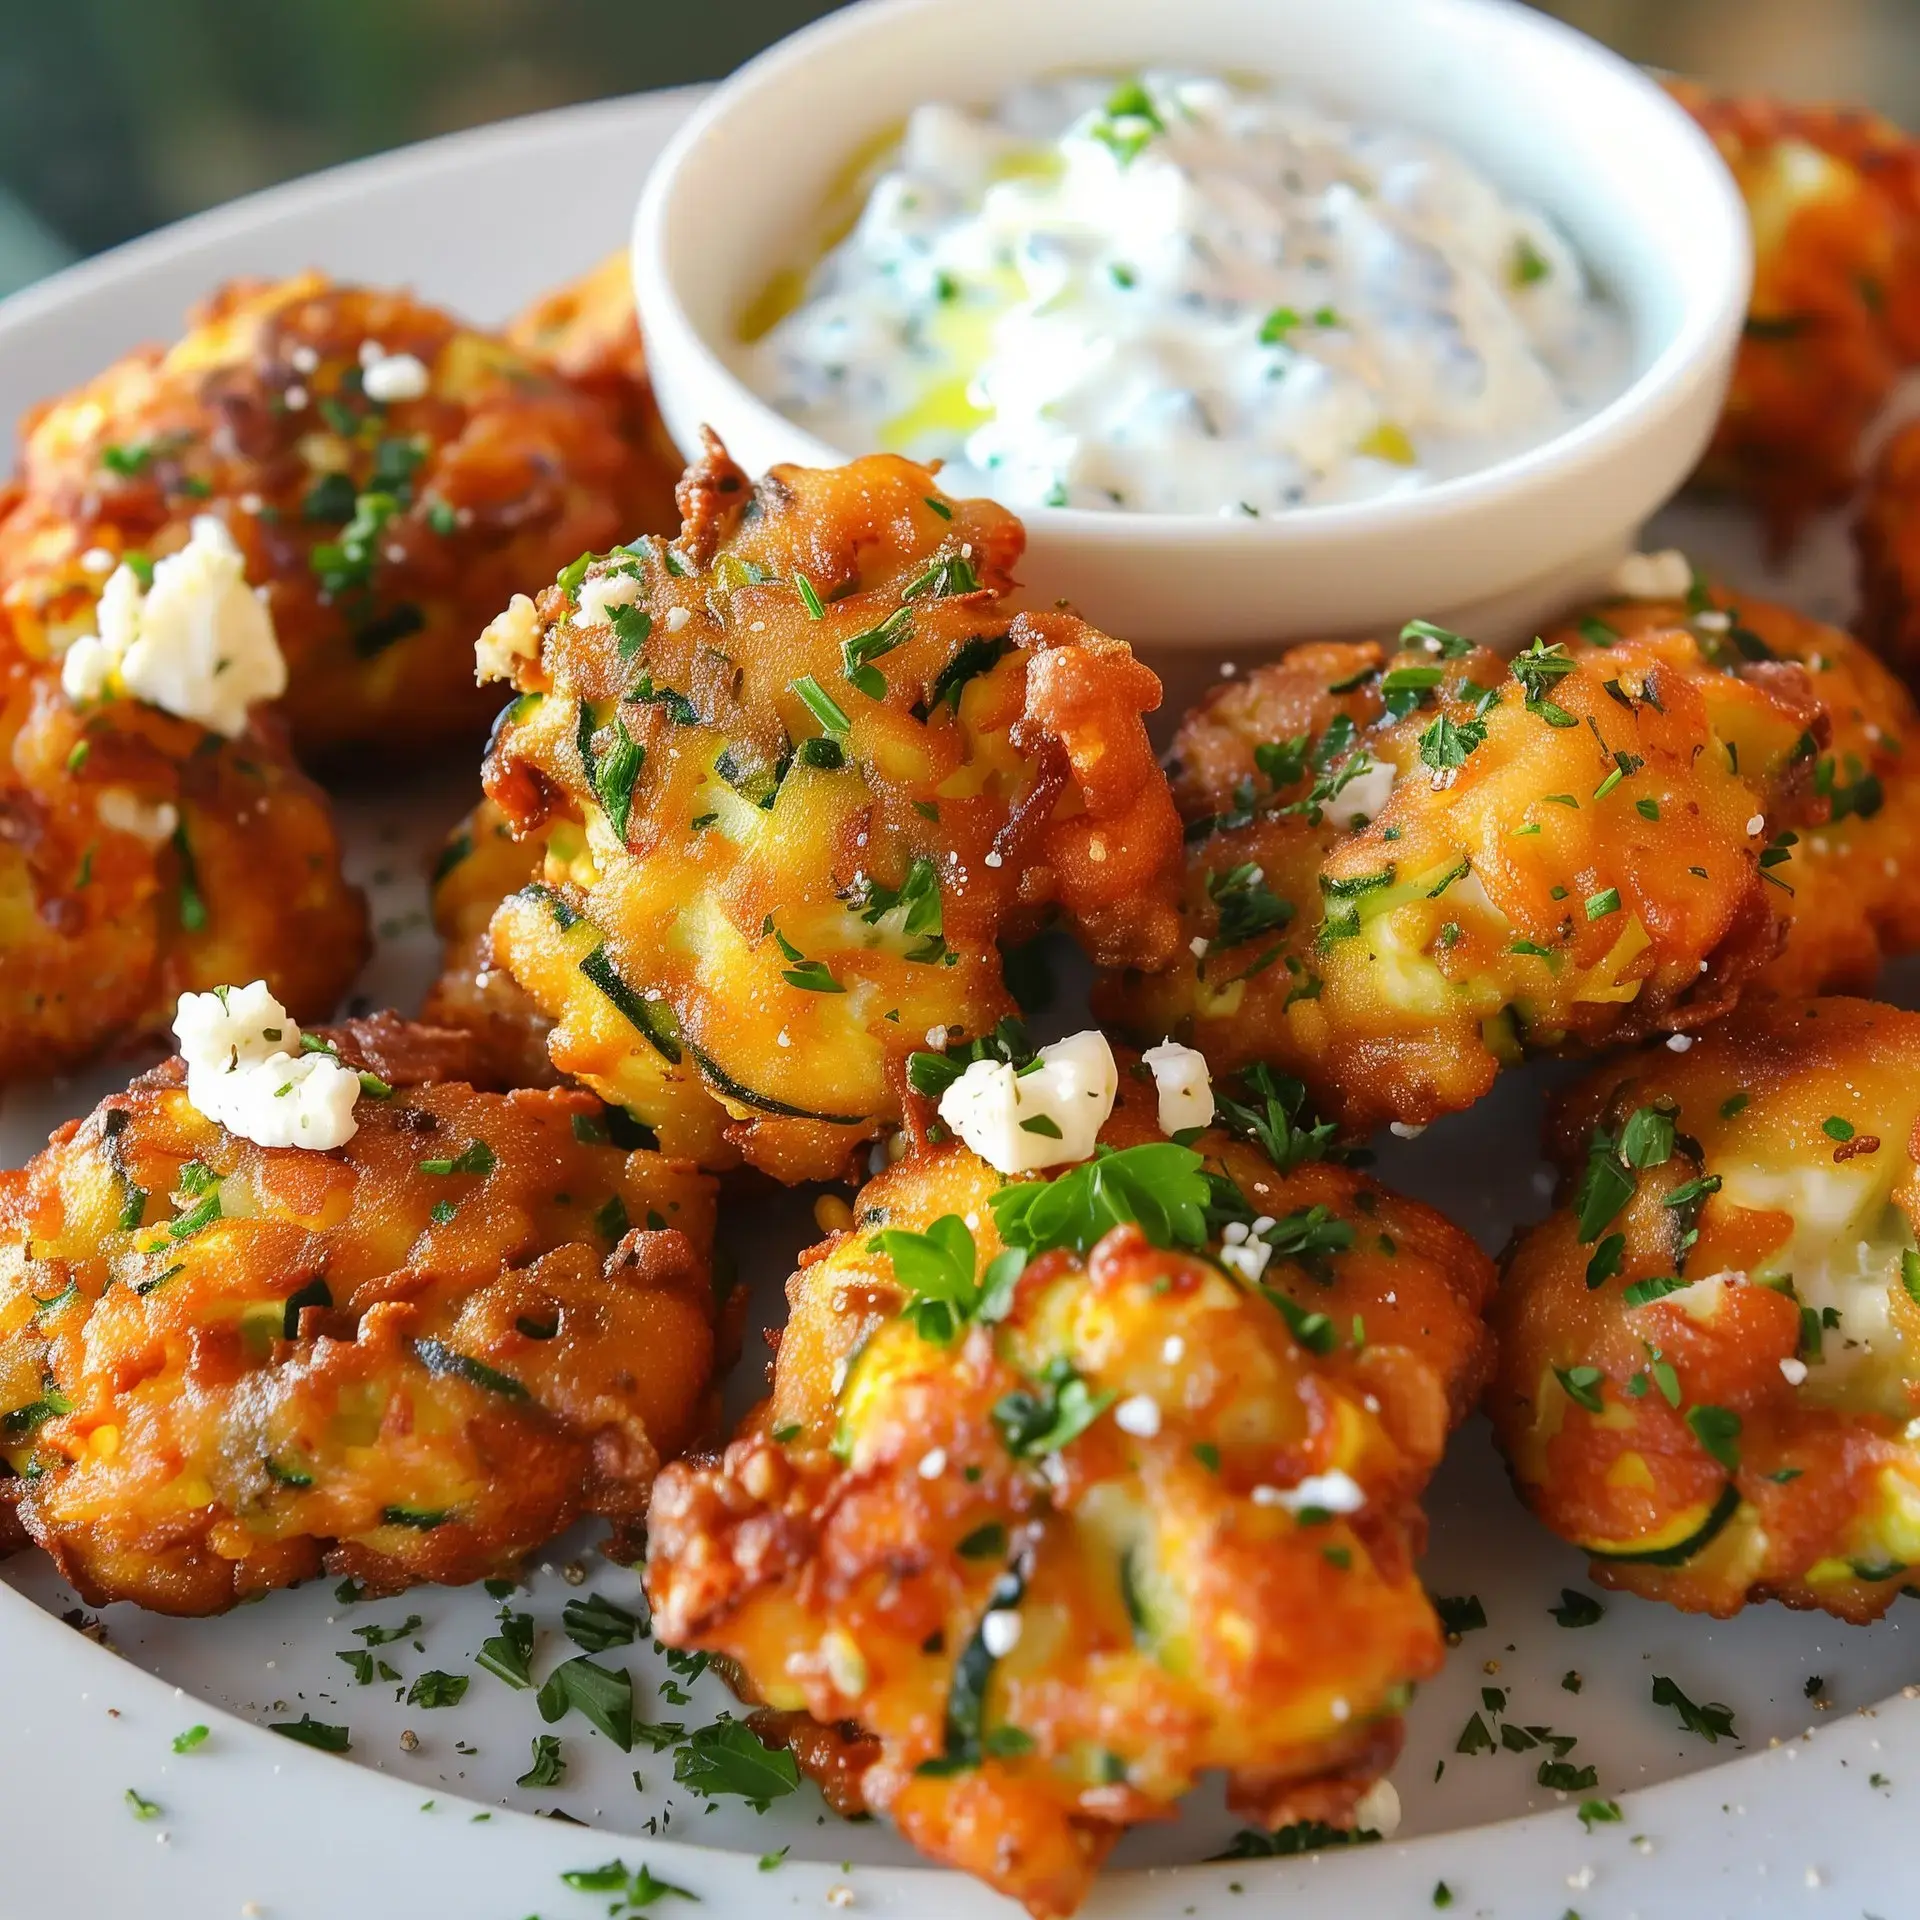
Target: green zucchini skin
{"type": "Point", "coordinates": [1681, 1551]}
{"type": "Point", "coordinates": [725, 1083]}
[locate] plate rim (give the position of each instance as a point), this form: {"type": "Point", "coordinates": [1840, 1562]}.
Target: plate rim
{"type": "Point", "coordinates": [40, 1655]}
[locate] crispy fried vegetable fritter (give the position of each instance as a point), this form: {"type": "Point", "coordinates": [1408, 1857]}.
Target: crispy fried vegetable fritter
{"type": "Point", "coordinates": [798, 777]}
{"type": "Point", "coordinates": [588, 331]}
{"type": "Point", "coordinates": [1407, 870]}
{"type": "Point", "coordinates": [1710, 1354]}
{"type": "Point", "coordinates": [142, 856]}
{"type": "Point", "coordinates": [1853, 864]}
{"type": "Point", "coordinates": [1071, 1488]}
{"type": "Point", "coordinates": [385, 532]}
{"type": "Point", "coordinates": [1833, 195]}
{"type": "Point", "coordinates": [224, 1367]}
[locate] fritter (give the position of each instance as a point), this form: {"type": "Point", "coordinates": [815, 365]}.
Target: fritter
{"type": "Point", "coordinates": [799, 776]}
{"type": "Point", "coordinates": [142, 855]}
{"type": "Point", "coordinates": [389, 475]}
{"type": "Point", "coordinates": [1407, 870]}
{"type": "Point", "coordinates": [480, 864]}
{"type": "Point", "coordinates": [1852, 899]}
{"type": "Point", "coordinates": [1710, 1353]}
{"type": "Point", "coordinates": [1071, 1488]}
{"type": "Point", "coordinates": [225, 1367]}
{"type": "Point", "coordinates": [1833, 195]}
{"type": "Point", "coordinates": [1886, 536]}
{"type": "Point", "coordinates": [588, 331]}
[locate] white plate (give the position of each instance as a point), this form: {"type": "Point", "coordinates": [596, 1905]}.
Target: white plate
{"type": "Point", "coordinates": [250, 1823]}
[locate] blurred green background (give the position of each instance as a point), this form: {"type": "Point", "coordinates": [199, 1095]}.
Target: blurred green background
{"type": "Point", "coordinates": [119, 115]}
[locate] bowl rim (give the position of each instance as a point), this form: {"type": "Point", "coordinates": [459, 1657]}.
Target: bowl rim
{"type": "Point", "coordinates": [1705, 333]}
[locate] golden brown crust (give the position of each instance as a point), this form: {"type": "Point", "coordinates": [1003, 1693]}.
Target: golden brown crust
{"type": "Point", "coordinates": [1834, 199]}
{"type": "Point", "coordinates": [1853, 901]}
{"type": "Point", "coordinates": [142, 856]}
{"type": "Point", "coordinates": [1581, 867]}
{"type": "Point", "coordinates": [1746, 1434]}
{"type": "Point", "coordinates": [1173, 1615]}
{"type": "Point", "coordinates": [410, 1358]}
{"type": "Point", "coordinates": [829, 822]}
{"type": "Point", "coordinates": [384, 535]}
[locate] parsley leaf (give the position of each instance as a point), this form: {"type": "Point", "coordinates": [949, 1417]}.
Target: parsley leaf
{"type": "Point", "coordinates": [730, 1758]}
{"type": "Point", "coordinates": [1713, 1722]}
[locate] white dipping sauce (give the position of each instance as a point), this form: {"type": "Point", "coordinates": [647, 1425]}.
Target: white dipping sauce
{"type": "Point", "coordinates": [1183, 295]}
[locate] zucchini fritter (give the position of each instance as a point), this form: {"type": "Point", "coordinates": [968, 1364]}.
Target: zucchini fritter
{"type": "Point", "coordinates": [1407, 870]}
{"type": "Point", "coordinates": [1069, 1489]}
{"type": "Point", "coordinates": [225, 1367]}
{"type": "Point", "coordinates": [389, 475]}
{"type": "Point", "coordinates": [1833, 195]}
{"type": "Point", "coordinates": [1710, 1354]}
{"type": "Point", "coordinates": [588, 331]}
{"type": "Point", "coordinates": [1886, 536]}
{"type": "Point", "coordinates": [798, 777]}
{"type": "Point", "coordinates": [1854, 863]}
{"type": "Point", "coordinates": [143, 855]}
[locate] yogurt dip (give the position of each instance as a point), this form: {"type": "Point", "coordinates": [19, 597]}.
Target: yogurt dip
{"type": "Point", "coordinates": [1184, 294]}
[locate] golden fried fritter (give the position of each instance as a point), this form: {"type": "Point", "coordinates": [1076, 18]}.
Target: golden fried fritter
{"type": "Point", "coordinates": [1886, 536]}
{"type": "Point", "coordinates": [224, 1367]}
{"type": "Point", "coordinates": [142, 856]}
{"type": "Point", "coordinates": [1833, 195]}
{"type": "Point", "coordinates": [588, 331]}
{"type": "Point", "coordinates": [1407, 870]}
{"type": "Point", "coordinates": [798, 777]}
{"type": "Point", "coordinates": [1710, 1354]}
{"type": "Point", "coordinates": [1072, 1488]}
{"type": "Point", "coordinates": [385, 532]}
{"type": "Point", "coordinates": [1852, 869]}
{"type": "Point", "coordinates": [478, 867]}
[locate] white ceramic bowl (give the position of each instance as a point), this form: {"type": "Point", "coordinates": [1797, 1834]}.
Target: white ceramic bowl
{"type": "Point", "coordinates": [1549, 114]}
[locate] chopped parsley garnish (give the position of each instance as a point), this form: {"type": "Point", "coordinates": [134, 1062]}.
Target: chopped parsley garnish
{"type": "Point", "coordinates": [1160, 1186]}
{"type": "Point", "coordinates": [1713, 1722]}
{"type": "Point", "coordinates": [1246, 904]}
{"type": "Point", "coordinates": [437, 1689]}
{"type": "Point", "coordinates": [1459, 1613]}
{"type": "Point", "coordinates": [604, 1695]}
{"type": "Point", "coordinates": [314, 1733]}
{"type": "Point", "coordinates": [1577, 1609]}
{"type": "Point", "coordinates": [475, 1157]}
{"type": "Point", "coordinates": [810, 976]}
{"type": "Point", "coordinates": [548, 1768]}
{"type": "Point", "coordinates": [1582, 1386]}
{"type": "Point", "coordinates": [858, 653]}
{"type": "Point", "coordinates": [1050, 1414]}
{"type": "Point", "coordinates": [1529, 264]}
{"type": "Point", "coordinates": [613, 774]}
{"type": "Point", "coordinates": [191, 1741]}
{"type": "Point", "coordinates": [1600, 905]}
{"type": "Point", "coordinates": [508, 1653]}
{"type": "Point", "coordinates": [1275, 1119]}
{"type": "Point", "coordinates": [937, 1270]}
{"type": "Point", "coordinates": [730, 1758]}
{"type": "Point", "coordinates": [142, 1809]}
{"type": "Point", "coordinates": [1718, 1431]}
{"type": "Point", "coordinates": [1447, 743]}
{"type": "Point", "coordinates": [821, 704]}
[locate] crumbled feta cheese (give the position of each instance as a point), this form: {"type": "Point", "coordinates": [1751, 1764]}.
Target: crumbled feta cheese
{"type": "Point", "coordinates": [1069, 1093]}
{"type": "Point", "coordinates": [1247, 1258]}
{"type": "Point", "coordinates": [395, 376]}
{"type": "Point", "coordinates": [933, 1463]}
{"type": "Point", "coordinates": [1173, 1349]}
{"type": "Point", "coordinates": [1713, 621]}
{"type": "Point", "coordinates": [1793, 1372]}
{"type": "Point", "coordinates": [245, 1071]}
{"type": "Point", "coordinates": [1757, 824]}
{"type": "Point", "coordinates": [508, 638]}
{"type": "Point", "coordinates": [1361, 800]}
{"type": "Point", "coordinates": [600, 595]}
{"type": "Point", "coordinates": [1198, 946]}
{"type": "Point", "coordinates": [1406, 1129]}
{"type": "Point", "coordinates": [1000, 1631]}
{"type": "Point", "coordinates": [1679, 1042]}
{"type": "Point", "coordinates": [198, 643]}
{"type": "Point", "coordinates": [1139, 1415]}
{"type": "Point", "coordinates": [1378, 1810]}
{"type": "Point", "coordinates": [123, 811]}
{"type": "Point", "coordinates": [1186, 1089]}
{"type": "Point", "coordinates": [97, 560]}
{"type": "Point", "coordinates": [1334, 1492]}
{"type": "Point", "coordinates": [1666, 575]}
{"type": "Point", "coordinates": [993, 859]}
{"type": "Point", "coordinates": [677, 617]}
